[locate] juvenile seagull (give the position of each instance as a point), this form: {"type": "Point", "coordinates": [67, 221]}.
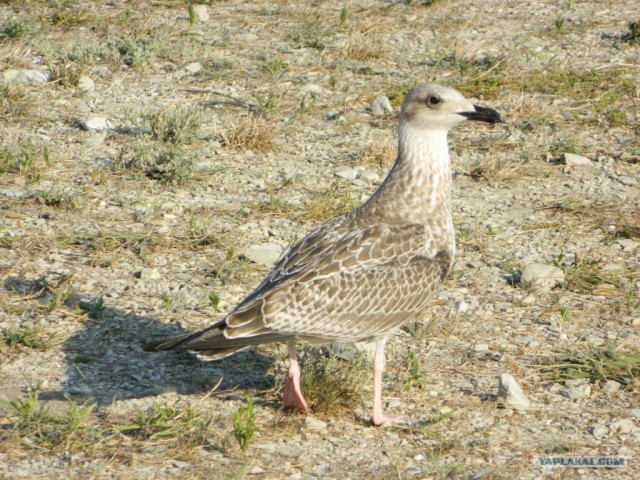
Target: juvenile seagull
{"type": "Point", "coordinates": [364, 274]}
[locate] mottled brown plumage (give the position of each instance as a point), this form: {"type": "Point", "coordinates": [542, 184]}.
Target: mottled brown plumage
{"type": "Point", "coordinates": [362, 275]}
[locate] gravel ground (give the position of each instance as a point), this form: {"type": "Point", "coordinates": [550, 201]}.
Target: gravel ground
{"type": "Point", "coordinates": [102, 247]}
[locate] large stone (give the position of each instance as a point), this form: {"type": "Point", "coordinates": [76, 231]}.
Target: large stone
{"type": "Point", "coordinates": [96, 123]}
{"type": "Point", "coordinates": [542, 276]}
{"type": "Point", "coordinates": [510, 394]}
{"type": "Point", "coordinates": [573, 159]}
{"type": "Point", "coordinates": [25, 76]}
{"type": "Point", "coordinates": [622, 426]}
{"type": "Point", "coordinates": [266, 253]}
{"type": "Point", "coordinates": [381, 106]}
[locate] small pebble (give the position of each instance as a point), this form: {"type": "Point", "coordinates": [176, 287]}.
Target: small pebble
{"type": "Point", "coordinates": [85, 84]}
{"type": "Point", "coordinates": [611, 386]}
{"type": "Point", "coordinates": [150, 274]}
{"type": "Point", "coordinates": [347, 173]}
{"type": "Point", "coordinates": [599, 430]}
{"type": "Point", "coordinates": [314, 424]}
{"type": "Point", "coordinates": [369, 176]}
{"type": "Point", "coordinates": [193, 67]}
{"type": "Point", "coordinates": [201, 12]}
{"type": "Point", "coordinates": [461, 307]}
{"type": "Point", "coordinates": [579, 392]}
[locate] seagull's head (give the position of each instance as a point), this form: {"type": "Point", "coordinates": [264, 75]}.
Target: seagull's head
{"type": "Point", "coordinates": [430, 106]}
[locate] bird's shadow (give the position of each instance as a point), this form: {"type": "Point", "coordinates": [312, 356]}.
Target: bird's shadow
{"type": "Point", "coordinates": [105, 361]}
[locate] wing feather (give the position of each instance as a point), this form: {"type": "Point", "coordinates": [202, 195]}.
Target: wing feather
{"type": "Point", "coordinates": [362, 283]}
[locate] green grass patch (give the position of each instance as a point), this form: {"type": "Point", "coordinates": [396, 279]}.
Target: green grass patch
{"type": "Point", "coordinates": [25, 159]}
{"type": "Point", "coordinates": [160, 422]}
{"type": "Point", "coordinates": [610, 93]}
{"type": "Point", "coordinates": [234, 268]}
{"type": "Point", "coordinates": [139, 48]}
{"type": "Point", "coordinates": [37, 428]}
{"type": "Point", "coordinates": [244, 420]}
{"type": "Point", "coordinates": [173, 431]}
{"type": "Point", "coordinates": [336, 200]}
{"type": "Point", "coordinates": [179, 126]}
{"type": "Point", "coordinates": [19, 27]}
{"type": "Point", "coordinates": [139, 243]}
{"type": "Point", "coordinates": [414, 376]}
{"type": "Point", "coordinates": [583, 274]}
{"type": "Point", "coordinates": [330, 383]}
{"type": "Point", "coordinates": [55, 198]}
{"type": "Point", "coordinates": [27, 337]}
{"type": "Point", "coordinates": [168, 164]}
{"type": "Point", "coordinates": [596, 366]}
{"type": "Point", "coordinates": [558, 448]}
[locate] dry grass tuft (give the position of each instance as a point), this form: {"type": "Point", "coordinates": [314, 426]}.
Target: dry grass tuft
{"type": "Point", "coordinates": [361, 48]}
{"type": "Point", "coordinates": [14, 102]}
{"type": "Point", "coordinates": [493, 168]}
{"type": "Point", "coordinates": [65, 73]}
{"type": "Point", "coordinates": [335, 201]}
{"type": "Point", "coordinates": [249, 133]}
{"type": "Point", "coordinates": [381, 153]}
{"type": "Point", "coordinates": [613, 217]}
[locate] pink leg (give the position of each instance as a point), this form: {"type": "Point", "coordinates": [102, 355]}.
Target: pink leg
{"type": "Point", "coordinates": [378, 418]}
{"type": "Point", "coordinates": [292, 394]}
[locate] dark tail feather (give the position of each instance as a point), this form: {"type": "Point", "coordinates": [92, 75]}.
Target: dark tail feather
{"type": "Point", "coordinates": [180, 342]}
{"type": "Point", "coordinates": [165, 344]}
{"type": "Point", "coordinates": [211, 344]}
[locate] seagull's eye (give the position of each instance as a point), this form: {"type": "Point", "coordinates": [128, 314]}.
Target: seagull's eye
{"type": "Point", "coordinates": [433, 100]}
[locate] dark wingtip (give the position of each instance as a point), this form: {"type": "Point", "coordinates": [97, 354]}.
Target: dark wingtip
{"type": "Point", "coordinates": [483, 114]}
{"type": "Point", "coordinates": [168, 343]}
{"type": "Point", "coordinates": [152, 346]}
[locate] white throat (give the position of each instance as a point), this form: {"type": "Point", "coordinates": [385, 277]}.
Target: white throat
{"type": "Point", "coordinates": [418, 187]}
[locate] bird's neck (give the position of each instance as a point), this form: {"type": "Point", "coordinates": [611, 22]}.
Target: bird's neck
{"type": "Point", "coordinates": [418, 187]}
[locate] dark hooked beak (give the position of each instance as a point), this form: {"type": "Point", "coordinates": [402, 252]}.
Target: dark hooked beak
{"type": "Point", "coordinates": [483, 114]}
